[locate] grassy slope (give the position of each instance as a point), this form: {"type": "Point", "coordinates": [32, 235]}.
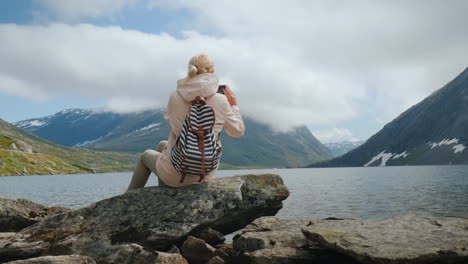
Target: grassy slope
{"type": "Point", "coordinates": [54, 159]}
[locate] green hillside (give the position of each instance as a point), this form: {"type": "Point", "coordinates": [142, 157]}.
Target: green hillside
{"type": "Point", "coordinates": [22, 153]}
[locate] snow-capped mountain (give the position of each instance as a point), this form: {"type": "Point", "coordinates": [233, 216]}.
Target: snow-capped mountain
{"type": "Point", "coordinates": [434, 131]}
{"type": "Point", "coordinates": [135, 132]}
{"type": "Point", "coordinates": [342, 147]}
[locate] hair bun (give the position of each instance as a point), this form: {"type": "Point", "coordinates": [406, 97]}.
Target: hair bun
{"type": "Point", "coordinates": [199, 64]}
{"type": "Point", "coordinates": [192, 70]}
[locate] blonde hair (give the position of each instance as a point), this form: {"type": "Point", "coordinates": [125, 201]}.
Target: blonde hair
{"type": "Point", "coordinates": [199, 64]}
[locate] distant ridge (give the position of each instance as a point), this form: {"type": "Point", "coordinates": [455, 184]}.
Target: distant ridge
{"type": "Point", "coordinates": [342, 147]}
{"type": "Point", "coordinates": [432, 132]}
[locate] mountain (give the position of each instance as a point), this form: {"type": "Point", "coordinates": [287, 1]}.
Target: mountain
{"type": "Point", "coordinates": [135, 132]}
{"type": "Point", "coordinates": [342, 147]}
{"type": "Point", "coordinates": [22, 153]}
{"type": "Point", "coordinates": [432, 132]}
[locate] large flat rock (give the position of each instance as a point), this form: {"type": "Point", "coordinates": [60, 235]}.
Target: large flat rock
{"type": "Point", "coordinates": [279, 240]}
{"type": "Point", "coordinates": [56, 260]}
{"type": "Point", "coordinates": [131, 226]}
{"type": "Point", "coordinates": [404, 239]}
{"type": "Point", "coordinates": [16, 214]}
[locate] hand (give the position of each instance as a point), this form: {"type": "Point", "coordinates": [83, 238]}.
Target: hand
{"type": "Point", "coordinates": [230, 96]}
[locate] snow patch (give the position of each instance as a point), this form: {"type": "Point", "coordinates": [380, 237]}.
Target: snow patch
{"type": "Point", "coordinates": [88, 116]}
{"type": "Point", "coordinates": [458, 148]}
{"type": "Point", "coordinates": [403, 154]}
{"type": "Point", "coordinates": [382, 155]}
{"type": "Point", "coordinates": [148, 127]}
{"type": "Point", "coordinates": [32, 123]}
{"type": "Point", "coordinates": [385, 157]}
{"type": "Point", "coordinates": [445, 141]}
{"type": "Point", "coordinates": [87, 142]}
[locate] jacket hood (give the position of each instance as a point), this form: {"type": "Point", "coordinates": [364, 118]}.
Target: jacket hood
{"type": "Point", "coordinates": [205, 84]}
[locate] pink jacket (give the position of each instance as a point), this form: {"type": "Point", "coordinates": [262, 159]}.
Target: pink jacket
{"type": "Point", "coordinates": [227, 117]}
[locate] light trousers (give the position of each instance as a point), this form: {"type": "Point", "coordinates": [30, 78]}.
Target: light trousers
{"type": "Point", "coordinates": [145, 165]}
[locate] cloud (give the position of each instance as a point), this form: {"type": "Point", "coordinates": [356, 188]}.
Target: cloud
{"type": "Point", "coordinates": [401, 50]}
{"type": "Point", "coordinates": [21, 88]}
{"type": "Point", "coordinates": [290, 63]}
{"type": "Point", "coordinates": [74, 10]}
{"type": "Point", "coordinates": [131, 67]}
{"type": "Point", "coordinates": [334, 135]}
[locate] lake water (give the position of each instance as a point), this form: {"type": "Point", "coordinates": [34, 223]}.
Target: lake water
{"type": "Point", "coordinates": [317, 193]}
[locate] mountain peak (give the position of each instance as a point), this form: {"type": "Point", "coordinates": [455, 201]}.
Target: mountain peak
{"type": "Point", "coordinates": [432, 132]}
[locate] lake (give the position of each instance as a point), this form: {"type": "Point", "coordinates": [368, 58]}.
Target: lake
{"type": "Point", "coordinates": [375, 192]}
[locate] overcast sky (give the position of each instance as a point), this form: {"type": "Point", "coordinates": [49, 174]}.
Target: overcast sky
{"type": "Point", "coordinates": [343, 68]}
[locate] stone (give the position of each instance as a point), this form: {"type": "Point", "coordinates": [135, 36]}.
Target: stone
{"type": "Point", "coordinates": [291, 255]}
{"type": "Point", "coordinates": [279, 240]}
{"type": "Point", "coordinates": [196, 250]}
{"type": "Point", "coordinates": [210, 236]}
{"type": "Point", "coordinates": [72, 259]}
{"type": "Point", "coordinates": [126, 253]}
{"type": "Point", "coordinates": [138, 223]}
{"type": "Point", "coordinates": [271, 232]}
{"type": "Point", "coordinates": [5, 235]}
{"type": "Point", "coordinates": [216, 260]}
{"type": "Point", "coordinates": [22, 146]}
{"type": "Point", "coordinates": [229, 254]}
{"type": "Point", "coordinates": [16, 214]}
{"type": "Point", "coordinates": [402, 239]}
{"type": "Point", "coordinates": [174, 249]}
{"type": "Point", "coordinates": [170, 258]}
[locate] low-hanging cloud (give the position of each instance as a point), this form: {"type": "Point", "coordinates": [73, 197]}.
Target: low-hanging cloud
{"type": "Point", "coordinates": [135, 70]}
{"type": "Point", "coordinates": [294, 63]}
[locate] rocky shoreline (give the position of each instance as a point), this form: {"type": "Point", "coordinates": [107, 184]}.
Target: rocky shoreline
{"type": "Point", "coordinates": [187, 225]}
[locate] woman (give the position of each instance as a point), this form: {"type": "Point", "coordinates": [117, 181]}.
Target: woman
{"type": "Point", "coordinates": [200, 81]}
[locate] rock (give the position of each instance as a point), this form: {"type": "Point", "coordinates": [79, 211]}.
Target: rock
{"type": "Point", "coordinates": [216, 260]}
{"type": "Point", "coordinates": [196, 250]}
{"type": "Point", "coordinates": [403, 239]}
{"type": "Point", "coordinates": [126, 253]}
{"type": "Point", "coordinates": [16, 214]}
{"type": "Point", "coordinates": [73, 259]}
{"type": "Point", "coordinates": [142, 221]}
{"type": "Point", "coordinates": [22, 146]}
{"type": "Point", "coordinates": [271, 232]}
{"type": "Point", "coordinates": [170, 258]}
{"type": "Point", "coordinates": [174, 249]}
{"type": "Point", "coordinates": [229, 254]}
{"type": "Point", "coordinates": [275, 240]}
{"type": "Point", "coordinates": [210, 236]}
{"type": "Point", "coordinates": [282, 255]}
{"type": "Point", "coordinates": [6, 235]}
{"type": "Point", "coordinates": [4, 238]}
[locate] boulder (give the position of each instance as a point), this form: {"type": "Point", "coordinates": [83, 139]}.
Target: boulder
{"type": "Point", "coordinates": [18, 145]}
{"type": "Point", "coordinates": [196, 250]}
{"type": "Point", "coordinates": [210, 236]}
{"type": "Point", "coordinates": [16, 214]}
{"type": "Point", "coordinates": [403, 239]}
{"type": "Point", "coordinates": [170, 258]}
{"type": "Point", "coordinates": [129, 228]}
{"type": "Point", "coordinates": [73, 259]}
{"type": "Point", "coordinates": [229, 254]}
{"type": "Point", "coordinates": [278, 240]}
{"type": "Point", "coordinates": [216, 260]}
{"type": "Point", "coordinates": [271, 232]}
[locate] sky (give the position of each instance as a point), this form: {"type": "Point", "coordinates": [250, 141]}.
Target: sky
{"type": "Point", "coordinates": [342, 68]}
